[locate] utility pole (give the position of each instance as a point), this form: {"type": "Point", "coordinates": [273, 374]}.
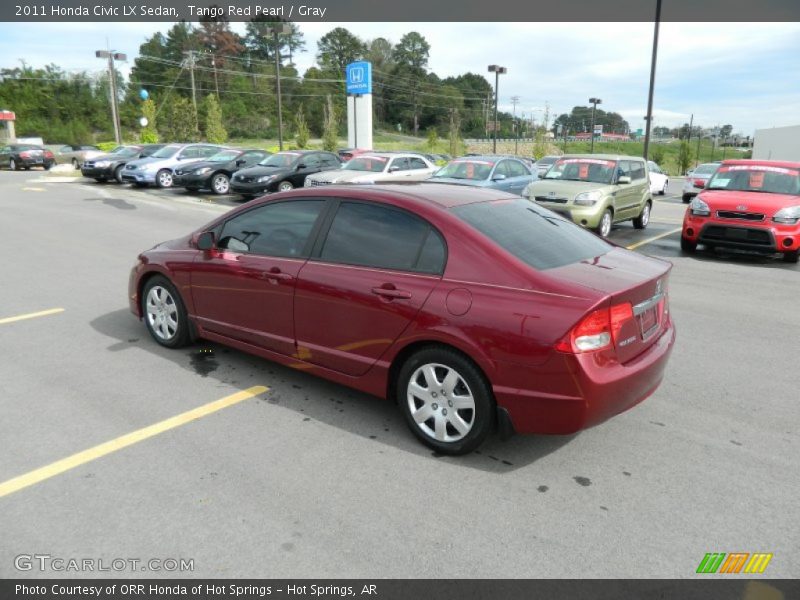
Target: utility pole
{"type": "Point", "coordinates": [697, 157]}
{"type": "Point", "coordinates": [689, 135]}
{"type": "Point", "coordinates": [277, 29]}
{"type": "Point", "coordinates": [216, 81]}
{"type": "Point", "coordinates": [652, 79]}
{"type": "Point", "coordinates": [113, 55]}
{"type": "Point", "coordinates": [190, 63]}
{"type": "Point", "coordinates": [514, 101]}
{"type": "Point", "coordinates": [497, 70]}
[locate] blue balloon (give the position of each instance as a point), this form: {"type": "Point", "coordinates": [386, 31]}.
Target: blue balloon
{"type": "Point", "coordinates": [143, 94]}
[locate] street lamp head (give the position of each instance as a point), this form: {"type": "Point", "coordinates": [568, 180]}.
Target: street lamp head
{"type": "Point", "coordinates": [595, 101]}
{"type": "Point", "coordinates": [120, 56]}
{"type": "Point", "coordinates": [497, 69]}
{"type": "Point", "coordinates": [102, 53]}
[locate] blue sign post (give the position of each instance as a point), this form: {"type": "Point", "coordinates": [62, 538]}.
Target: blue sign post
{"type": "Point", "coordinates": [359, 77]}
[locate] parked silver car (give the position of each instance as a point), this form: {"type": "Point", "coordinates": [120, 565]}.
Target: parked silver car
{"type": "Point", "coordinates": [75, 154]}
{"type": "Point", "coordinates": [696, 180]}
{"type": "Point", "coordinates": [543, 165]}
{"type": "Point", "coordinates": [158, 168]}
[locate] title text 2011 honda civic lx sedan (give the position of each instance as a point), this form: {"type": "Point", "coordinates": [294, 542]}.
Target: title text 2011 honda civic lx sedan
{"type": "Point", "coordinates": [472, 309]}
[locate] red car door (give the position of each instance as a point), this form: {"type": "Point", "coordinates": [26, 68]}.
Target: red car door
{"type": "Point", "coordinates": [367, 279]}
{"type": "Point", "coordinates": [244, 287]}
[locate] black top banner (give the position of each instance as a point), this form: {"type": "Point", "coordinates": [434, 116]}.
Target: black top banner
{"type": "Point", "coordinates": [332, 11]}
{"type": "Point", "coordinates": [439, 589]}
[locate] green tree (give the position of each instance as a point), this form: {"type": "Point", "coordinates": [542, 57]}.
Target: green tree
{"type": "Point", "coordinates": [214, 129]}
{"type": "Point", "coordinates": [178, 122]}
{"type": "Point", "coordinates": [330, 135]}
{"type": "Point", "coordinates": [149, 133]}
{"type": "Point", "coordinates": [260, 39]}
{"type": "Point", "coordinates": [684, 157]}
{"type": "Point", "coordinates": [412, 51]}
{"type": "Point", "coordinates": [302, 134]}
{"type": "Point", "coordinates": [433, 139]}
{"type": "Point", "coordinates": [657, 154]}
{"type": "Point", "coordinates": [455, 133]}
{"type": "Point", "coordinates": [338, 48]}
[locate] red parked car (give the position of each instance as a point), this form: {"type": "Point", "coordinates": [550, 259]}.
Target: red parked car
{"type": "Point", "coordinates": [751, 205]}
{"type": "Point", "coordinates": [471, 308]}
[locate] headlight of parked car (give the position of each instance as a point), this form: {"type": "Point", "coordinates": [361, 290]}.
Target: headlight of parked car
{"type": "Point", "coordinates": [699, 207]}
{"type": "Point", "coordinates": [588, 198]}
{"type": "Point", "coordinates": [789, 215]}
{"type": "Point", "coordinates": [265, 178]}
{"type": "Point", "coordinates": [102, 163]}
{"type": "Point", "coordinates": [203, 171]}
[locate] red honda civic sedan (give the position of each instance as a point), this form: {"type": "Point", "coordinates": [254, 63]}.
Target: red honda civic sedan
{"type": "Point", "coordinates": [751, 205]}
{"type": "Point", "coordinates": [472, 309]}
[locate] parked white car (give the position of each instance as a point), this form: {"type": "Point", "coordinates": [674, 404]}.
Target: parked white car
{"type": "Point", "coordinates": [658, 179]}
{"type": "Point", "coordinates": [377, 167]}
{"type": "Point", "coordinates": [158, 167]}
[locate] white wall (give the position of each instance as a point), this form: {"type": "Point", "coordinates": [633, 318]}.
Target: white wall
{"type": "Point", "coordinates": [778, 143]}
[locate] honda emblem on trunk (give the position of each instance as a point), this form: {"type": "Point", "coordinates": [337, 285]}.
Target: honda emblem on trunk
{"type": "Point", "coordinates": [741, 207]}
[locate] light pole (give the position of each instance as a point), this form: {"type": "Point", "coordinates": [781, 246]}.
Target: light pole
{"type": "Point", "coordinates": [497, 70]}
{"type": "Point", "coordinates": [652, 79]}
{"type": "Point", "coordinates": [594, 102]}
{"type": "Point", "coordinates": [514, 101]}
{"type": "Point", "coordinates": [112, 55]}
{"type": "Point", "coordinates": [277, 29]}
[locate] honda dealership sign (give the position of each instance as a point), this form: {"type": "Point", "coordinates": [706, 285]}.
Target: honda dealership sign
{"type": "Point", "coordinates": [359, 77]}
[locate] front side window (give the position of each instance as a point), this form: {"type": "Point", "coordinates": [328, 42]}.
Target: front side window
{"type": "Point", "coordinates": [399, 164]}
{"type": "Point", "coordinates": [281, 159]}
{"type": "Point", "coordinates": [167, 151]}
{"type": "Point", "coordinates": [281, 229]}
{"type": "Point", "coordinates": [376, 236]}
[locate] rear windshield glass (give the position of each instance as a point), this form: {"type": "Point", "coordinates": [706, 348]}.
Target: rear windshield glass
{"type": "Point", "coordinates": [705, 169]}
{"type": "Point", "coordinates": [533, 234]}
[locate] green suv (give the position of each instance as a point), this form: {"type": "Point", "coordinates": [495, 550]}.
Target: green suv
{"type": "Point", "coordinates": [596, 190]}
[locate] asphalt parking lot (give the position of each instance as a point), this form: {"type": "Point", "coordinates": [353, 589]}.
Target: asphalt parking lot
{"type": "Point", "coordinates": [310, 479]}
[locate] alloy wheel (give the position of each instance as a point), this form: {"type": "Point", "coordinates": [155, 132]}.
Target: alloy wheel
{"type": "Point", "coordinates": [220, 184]}
{"type": "Point", "coordinates": [165, 178]}
{"type": "Point", "coordinates": [162, 313]}
{"type": "Point", "coordinates": [645, 216]}
{"type": "Point", "coordinates": [440, 402]}
{"type": "Point", "coordinates": [285, 186]}
{"type": "Point", "coordinates": [605, 224]}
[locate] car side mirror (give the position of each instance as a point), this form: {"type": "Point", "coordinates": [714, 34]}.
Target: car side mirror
{"type": "Point", "coordinates": [498, 177]}
{"type": "Point", "coordinates": [301, 166]}
{"type": "Point", "coordinates": [205, 241]}
{"type": "Point", "coordinates": [624, 179]}
{"type": "Point", "coordinates": [393, 169]}
{"type": "Point", "coordinates": [240, 162]}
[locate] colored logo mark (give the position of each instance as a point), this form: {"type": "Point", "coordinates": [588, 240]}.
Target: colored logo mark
{"type": "Point", "coordinates": [734, 562]}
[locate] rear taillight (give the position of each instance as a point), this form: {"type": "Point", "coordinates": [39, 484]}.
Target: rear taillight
{"type": "Point", "coordinates": [599, 329]}
{"type": "Point", "coordinates": [24, 154]}
{"type": "Point", "coordinates": [48, 154]}
{"type": "Point", "coordinates": [698, 183]}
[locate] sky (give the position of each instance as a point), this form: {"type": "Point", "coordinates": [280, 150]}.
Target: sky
{"type": "Point", "coordinates": [743, 74]}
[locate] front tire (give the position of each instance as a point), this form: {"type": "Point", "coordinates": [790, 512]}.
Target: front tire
{"type": "Point", "coordinates": [643, 219]}
{"type": "Point", "coordinates": [220, 184]}
{"type": "Point", "coordinates": [791, 257]}
{"type": "Point", "coordinates": [164, 313]}
{"type": "Point", "coordinates": [164, 178]}
{"type": "Point", "coordinates": [75, 164]}
{"type": "Point", "coordinates": [663, 191]}
{"type": "Point", "coordinates": [604, 227]}
{"type": "Point", "coordinates": [118, 174]}
{"type": "Point", "coordinates": [446, 400]}
{"type": "Point", "coordinates": [285, 186]}
{"type": "Point", "coordinates": [688, 246]}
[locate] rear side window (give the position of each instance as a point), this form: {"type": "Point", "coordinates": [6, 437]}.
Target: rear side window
{"type": "Point", "coordinates": [376, 236]}
{"type": "Point", "coordinates": [533, 234]}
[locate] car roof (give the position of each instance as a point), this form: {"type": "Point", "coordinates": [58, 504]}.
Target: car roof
{"type": "Point", "coordinates": [443, 195]}
{"type": "Point", "coordinates": [765, 163]}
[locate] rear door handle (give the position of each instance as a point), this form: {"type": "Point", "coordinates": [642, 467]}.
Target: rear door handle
{"type": "Point", "coordinates": [391, 292]}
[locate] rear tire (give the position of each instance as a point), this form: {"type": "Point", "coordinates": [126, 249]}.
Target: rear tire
{"type": "Point", "coordinates": [12, 165]}
{"type": "Point", "coordinates": [663, 191]}
{"type": "Point", "coordinates": [75, 164]}
{"type": "Point", "coordinates": [164, 313]}
{"type": "Point", "coordinates": [446, 400]}
{"type": "Point", "coordinates": [791, 257]}
{"type": "Point", "coordinates": [643, 219]}
{"type": "Point", "coordinates": [688, 245]}
{"type": "Point", "coordinates": [686, 198]}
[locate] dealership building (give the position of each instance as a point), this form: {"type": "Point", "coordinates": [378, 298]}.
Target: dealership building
{"type": "Point", "coordinates": [777, 143]}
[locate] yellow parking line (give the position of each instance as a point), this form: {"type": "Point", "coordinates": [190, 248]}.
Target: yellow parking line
{"type": "Point", "coordinates": [654, 238]}
{"type": "Point", "coordinates": [33, 477]}
{"type": "Point", "coordinates": [41, 313]}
